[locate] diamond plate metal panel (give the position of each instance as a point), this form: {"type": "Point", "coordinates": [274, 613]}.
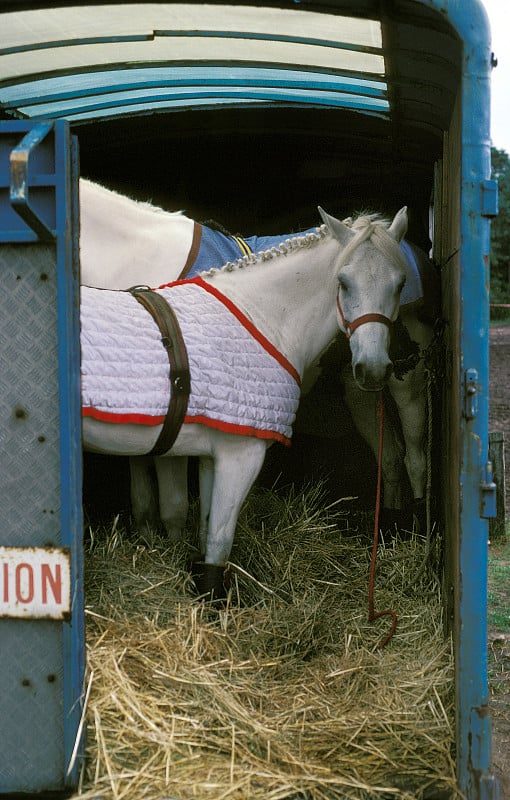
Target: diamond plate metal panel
{"type": "Point", "coordinates": [31, 705]}
{"type": "Point", "coordinates": [30, 658]}
{"type": "Point", "coordinates": [29, 402]}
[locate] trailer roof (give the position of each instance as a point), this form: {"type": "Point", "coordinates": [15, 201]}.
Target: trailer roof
{"type": "Point", "coordinates": [88, 62]}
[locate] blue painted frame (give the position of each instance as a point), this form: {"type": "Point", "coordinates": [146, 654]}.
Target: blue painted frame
{"type": "Point", "coordinates": [69, 359]}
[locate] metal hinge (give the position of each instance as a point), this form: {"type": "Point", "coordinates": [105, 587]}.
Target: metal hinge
{"type": "Point", "coordinates": [487, 493]}
{"type": "Point", "coordinates": [20, 163]}
{"type": "Point", "coordinates": [470, 393]}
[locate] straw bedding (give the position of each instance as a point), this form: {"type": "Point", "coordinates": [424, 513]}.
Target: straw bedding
{"type": "Point", "coordinates": [282, 694]}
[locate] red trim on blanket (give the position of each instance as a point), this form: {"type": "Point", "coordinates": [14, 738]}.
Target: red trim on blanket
{"type": "Point", "coordinates": [241, 430]}
{"type": "Point", "coordinates": [219, 425]}
{"type": "Point", "coordinates": [250, 327]}
{"type": "Point", "coordinates": [122, 419]}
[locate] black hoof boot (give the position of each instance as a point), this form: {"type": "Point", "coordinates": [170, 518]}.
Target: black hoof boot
{"type": "Point", "coordinates": [212, 581]}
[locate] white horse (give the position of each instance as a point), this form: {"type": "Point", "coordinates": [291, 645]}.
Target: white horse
{"type": "Point", "coordinates": [124, 243]}
{"type": "Point", "coordinates": [295, 307]}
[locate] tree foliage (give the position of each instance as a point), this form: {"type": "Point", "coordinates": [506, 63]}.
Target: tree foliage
{"type": "Point", "coordinates": [500, 235]}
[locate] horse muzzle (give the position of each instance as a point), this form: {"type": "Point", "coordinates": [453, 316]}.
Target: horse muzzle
{"type": "Point", "coordinates": [371, 365]}
{"type": "Point", "coordinates": [372, 377]}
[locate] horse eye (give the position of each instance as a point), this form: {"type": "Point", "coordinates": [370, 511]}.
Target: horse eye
{"type": "Point", "coordinates": [343, 285]}
{"type": "Point", "coordinates": [401, 285]}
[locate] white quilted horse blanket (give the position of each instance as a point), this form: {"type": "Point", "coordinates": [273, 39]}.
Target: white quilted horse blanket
{"type": "Point", "coordinates": [239, 382]}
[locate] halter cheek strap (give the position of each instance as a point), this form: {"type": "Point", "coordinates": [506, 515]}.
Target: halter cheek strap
{"type": "Point", "coordinates": [350, 327]}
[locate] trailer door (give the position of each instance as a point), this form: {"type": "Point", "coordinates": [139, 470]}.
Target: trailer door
{"type": "Point", "coordinates": [41, 605]}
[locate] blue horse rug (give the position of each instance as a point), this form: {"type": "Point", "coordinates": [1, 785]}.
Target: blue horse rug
{"type": "Point", "coordinates": [212, 249]}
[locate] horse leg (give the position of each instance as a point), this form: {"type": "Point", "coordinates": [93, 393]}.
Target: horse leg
{"type": "Point", "coordinates": [205, 481]}
{"type": "Point", "coordinates": [363, 409]}
{"type": "Point", "coordinates": [144, 504]}
{"type": "Point", "coordinates": [236, 465]}
{"type": "Point", "coordinates": [226, 483]}
{"type": "Point", "coordinates": [172, 474]}
{"type": "Point", "coordinates": [411, 401]}
{"type": "Point", "coordinates": [410, 396]}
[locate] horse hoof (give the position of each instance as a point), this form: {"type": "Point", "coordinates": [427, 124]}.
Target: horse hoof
{"type": "Point", "coordinates": [174, 534]}
{"type": "Point", "coordinates": [419, 509]}
{"type": "Point", "coordinates": [212, 581]}
{"type": "Point", "coordinates": [395, 519]}
{"type": "Point", "coordinates": [141, 526]}
{"type": "Point", "coordinates": [412, 520]}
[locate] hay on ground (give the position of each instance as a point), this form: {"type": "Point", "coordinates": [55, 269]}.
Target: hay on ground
{"type": "Point", "coordinates": [284, 693]}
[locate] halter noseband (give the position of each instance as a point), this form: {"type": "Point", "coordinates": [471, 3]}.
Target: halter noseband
{"type": "Point", "coordinates": [350, 327]}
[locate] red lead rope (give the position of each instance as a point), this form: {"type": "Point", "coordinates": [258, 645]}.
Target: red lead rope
{"type": "Point", "coordinates": [372, 614]}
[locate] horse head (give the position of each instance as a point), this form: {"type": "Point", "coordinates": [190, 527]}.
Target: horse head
{"type": "Point", "coordinates": [371, 274]}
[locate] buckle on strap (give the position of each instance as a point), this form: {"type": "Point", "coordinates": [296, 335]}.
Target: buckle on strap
{"type": "Point", "coordinates": [180, 380]}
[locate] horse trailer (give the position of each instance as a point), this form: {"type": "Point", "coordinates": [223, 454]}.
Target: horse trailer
{"type": "Point", "coordinates": [242, 112]}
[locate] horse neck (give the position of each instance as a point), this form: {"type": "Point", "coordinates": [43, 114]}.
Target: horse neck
{"type": "Point", "coordinates": [290, 298]}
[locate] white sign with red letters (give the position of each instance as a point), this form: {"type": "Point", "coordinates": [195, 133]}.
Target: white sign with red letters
{"type": "Point", "coordinates": [35, 582]}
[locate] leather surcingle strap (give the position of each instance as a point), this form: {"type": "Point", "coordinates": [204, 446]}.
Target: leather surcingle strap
{"type": "Point", "coordinates": [194, 251]}
{"type": "Point", "coordinates": [171, 336]}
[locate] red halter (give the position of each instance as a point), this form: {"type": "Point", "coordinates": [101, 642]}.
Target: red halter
{"type": "Point", "coordinates": [350, 327]}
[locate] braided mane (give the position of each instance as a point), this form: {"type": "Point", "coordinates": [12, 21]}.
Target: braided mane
{"type": "Point", "coordinates": [285, 247]}
{"type": "Point", "coordinates": [366, 226]}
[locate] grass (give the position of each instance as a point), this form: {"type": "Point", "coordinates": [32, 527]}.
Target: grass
{"type": "Point", "coordinates": [499, 623]}
{"type": "Point", "coordinates": [499, 586]}
{"type": "Point", "coordinates": [502, 321]}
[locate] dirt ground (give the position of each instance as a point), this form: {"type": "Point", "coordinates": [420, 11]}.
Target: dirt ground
{"type": "Point", "coordinates": [499, 420]}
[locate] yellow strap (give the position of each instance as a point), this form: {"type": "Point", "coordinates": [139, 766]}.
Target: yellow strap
{"type": "Point", "coordinates": [243, 246]}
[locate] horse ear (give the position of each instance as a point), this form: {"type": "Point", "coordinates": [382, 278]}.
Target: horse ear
{"type": "Point", "coordinates": [337, 228]}
{"type": "Point", "coordinates": [398, 227]}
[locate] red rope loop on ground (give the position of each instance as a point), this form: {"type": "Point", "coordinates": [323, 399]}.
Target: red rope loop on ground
{"type": "Point", "coordinates": [372, 614]}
